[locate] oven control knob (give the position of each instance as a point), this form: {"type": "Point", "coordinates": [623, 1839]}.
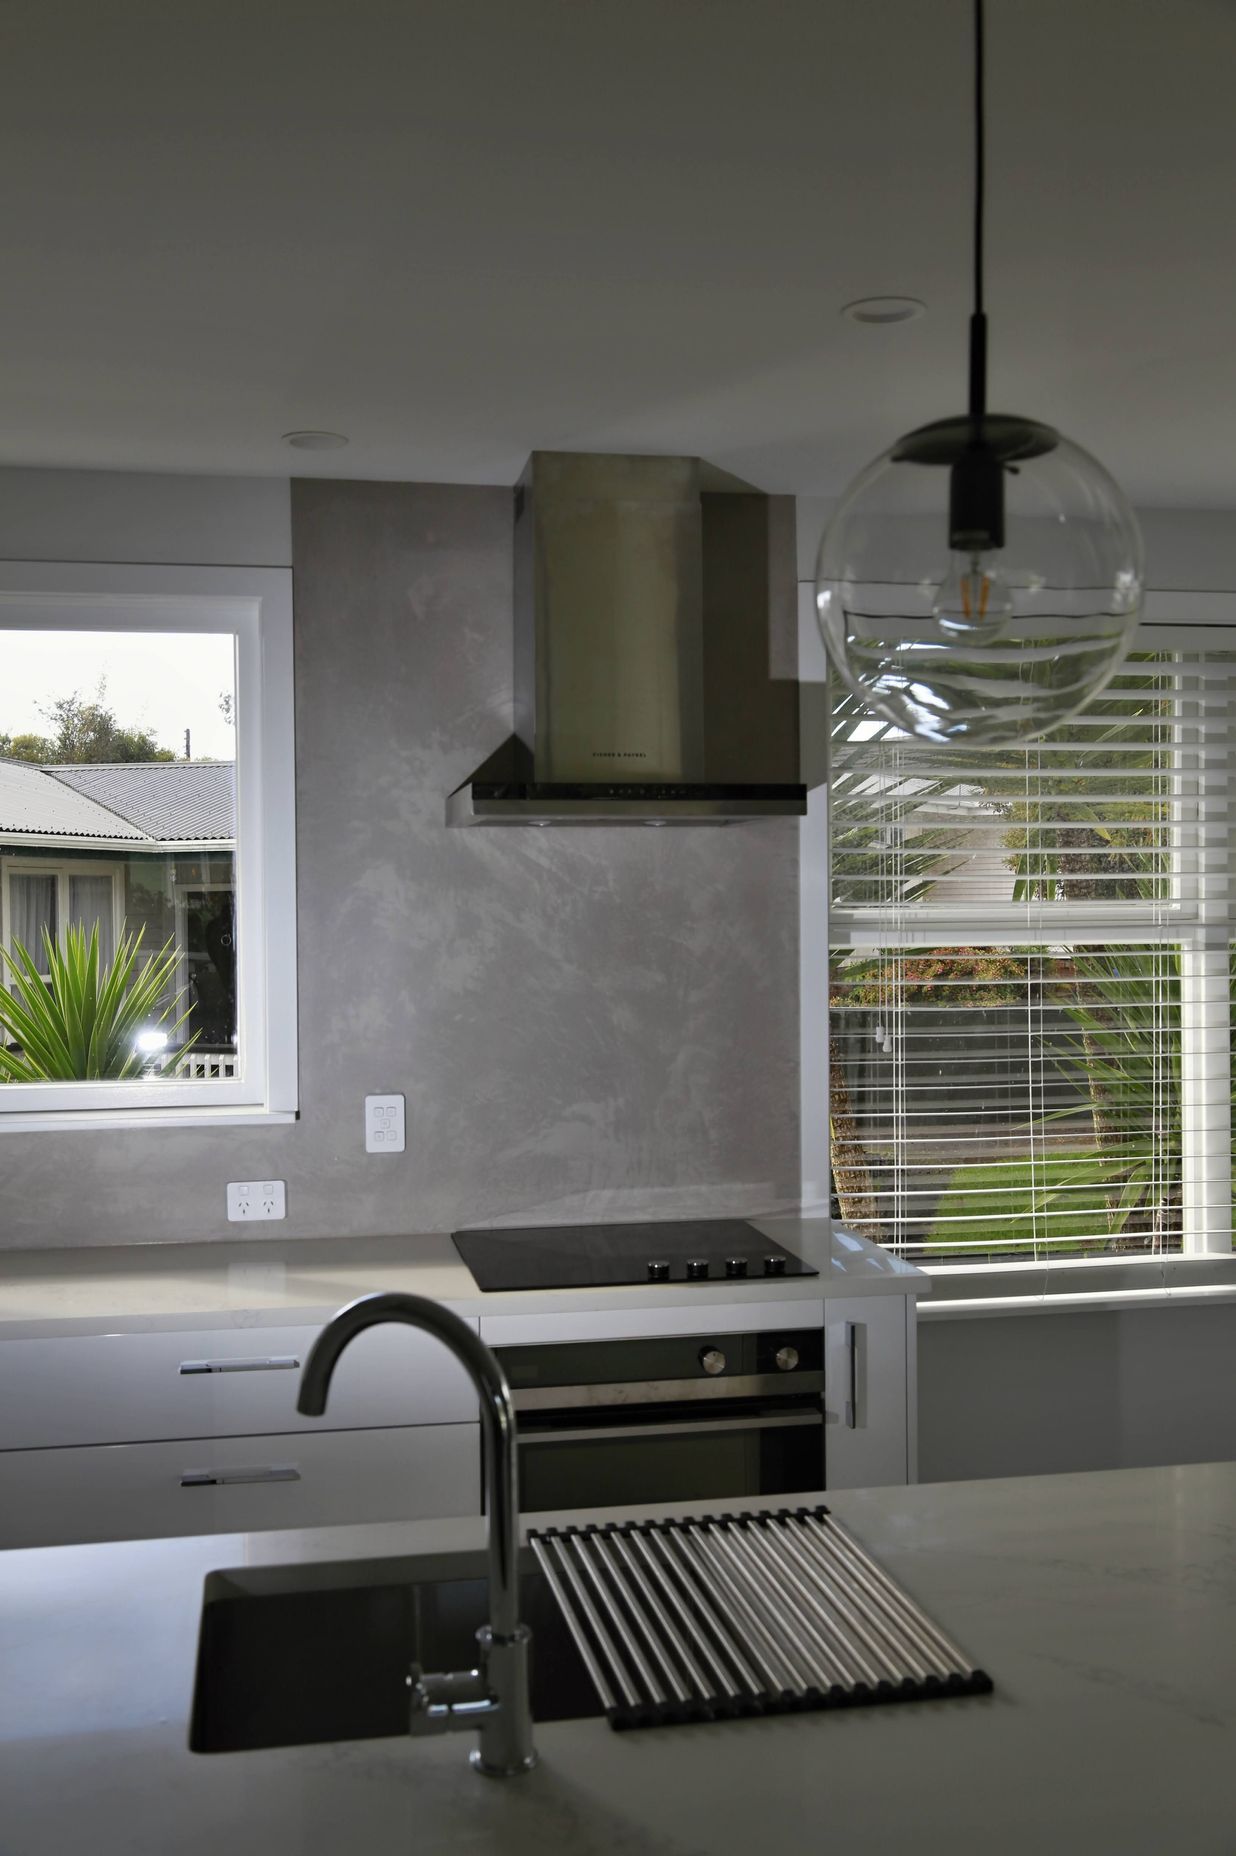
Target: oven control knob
{"type": "Point", "coordinates": [697, 1269]}
{"type": "Point", "coordinates": [658, 1272]}
{"type": "Point", "coordinates": [786, 1358]}
{"type": "Point", "coordinates": [774, 1266]}
{"type": "Point", "coordinates": [712, 1360]}
{"type": "Point", "coordinates": [735, 1266]}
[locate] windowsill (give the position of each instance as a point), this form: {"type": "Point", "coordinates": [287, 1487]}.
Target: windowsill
{"type": "Point", "coordinates": [961, 1293]}
{"type": "Point", "coordinates": [61, 1121]}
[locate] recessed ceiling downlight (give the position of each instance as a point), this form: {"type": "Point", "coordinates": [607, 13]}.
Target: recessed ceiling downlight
{"type": "Point", "coordinates": [884, 309]}
{"type": "Point", "coordinates": [315, 441]}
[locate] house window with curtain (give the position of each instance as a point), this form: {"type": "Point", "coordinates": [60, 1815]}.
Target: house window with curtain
{"type": "Point", "coordinates": [1030, 976]}
{"type": "Point", "coordinates": [47, 898]}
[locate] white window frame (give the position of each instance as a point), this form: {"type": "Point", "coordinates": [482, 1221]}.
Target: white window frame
{"type": "Point", "coordinates": [1201, 921]}
{"type": "Point", "coordinates": [254, 606]}
{"type": "Point", "coordinates": [62, 869]}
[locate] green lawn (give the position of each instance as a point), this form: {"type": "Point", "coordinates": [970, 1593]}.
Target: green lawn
{"type": "Point", "coordinates": [998, 1199]}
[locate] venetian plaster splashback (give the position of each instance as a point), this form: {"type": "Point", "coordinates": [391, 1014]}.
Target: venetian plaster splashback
{"type": "Point", "coordinates": [584, 1022]}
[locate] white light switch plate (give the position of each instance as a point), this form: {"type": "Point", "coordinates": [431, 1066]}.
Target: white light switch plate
{"type": "Point", "coordinates": [384, 1125]}
{"type": "Point", "coordinates": [249, 1200]}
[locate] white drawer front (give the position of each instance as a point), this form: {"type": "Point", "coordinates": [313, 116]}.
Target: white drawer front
{"type": "Point", "coordinates": [226, 1382]}
{"type": "Point", "coordinates": [238, 1485]}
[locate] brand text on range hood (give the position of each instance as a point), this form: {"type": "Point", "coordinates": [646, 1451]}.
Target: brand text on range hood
{"type": "Point", "coordinates": [655, 623]}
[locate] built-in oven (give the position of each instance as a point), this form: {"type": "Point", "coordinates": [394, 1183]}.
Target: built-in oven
{"type": "Point", "coordinates": [668, 1419]}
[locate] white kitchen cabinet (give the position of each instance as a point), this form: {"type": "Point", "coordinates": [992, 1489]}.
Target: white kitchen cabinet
{"type": "Point", "coordinates": [218, 1382]}
{"type": "Point", "coordinates": [58, 1497]}
{"type": "Point", "coordinates": [124, 1436]}
{"type": "Point", "coordinates": [869, 1395]}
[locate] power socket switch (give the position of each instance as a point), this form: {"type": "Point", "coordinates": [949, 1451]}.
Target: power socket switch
{"type": "Point", "coordinates": [252, 1199]}
{"type": "Point", "coordinates": [384, 1125]}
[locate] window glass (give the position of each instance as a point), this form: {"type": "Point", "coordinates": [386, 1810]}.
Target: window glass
{"type": "Point", "coordinates": [32, 913]}
{"type": "Point", "coordinates": [1029, 986]}
{"type": "Point", "coordinates": [992, 1102]}
{"type": "Point", "coordinates": [118, 819]}
{"type": "Point", "coordinates": [91, 907]}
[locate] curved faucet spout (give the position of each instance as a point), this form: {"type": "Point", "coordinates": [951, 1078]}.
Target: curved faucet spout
{"type": "Point", "coordinates": [497, 1420]}
{"type": "Point", "coordinates": [506, 1732]}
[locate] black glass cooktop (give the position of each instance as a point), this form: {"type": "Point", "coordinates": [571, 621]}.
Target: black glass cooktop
{"type": "Point", "coordinates": [569, 1256]}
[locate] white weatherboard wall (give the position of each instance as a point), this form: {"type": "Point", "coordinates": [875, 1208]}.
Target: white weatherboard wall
{"type": "Point", "coordinates": [583, 1023]}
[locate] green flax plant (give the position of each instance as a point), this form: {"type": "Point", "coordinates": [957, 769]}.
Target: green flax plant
{"type": "Point", "coordinates": [78, 1020]}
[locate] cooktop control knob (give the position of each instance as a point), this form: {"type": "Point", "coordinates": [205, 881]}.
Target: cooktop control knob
{"type": "Point", "coordinates": [697, 1268]}
{"type": "Point", "coordinates": [786, 1358]}
{"type": "Point", "coordinates": [658, 1272]}
{"type": "Point", "coordinates": [735, 1266]}
{"type": "Point", "coordinates": [712, 1360]}
{"type": "Point", "coordinates": [774, 1266]}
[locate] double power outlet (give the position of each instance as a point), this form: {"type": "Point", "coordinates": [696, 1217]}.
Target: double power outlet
{"type": "Point", "coordinates": [249, 1201]}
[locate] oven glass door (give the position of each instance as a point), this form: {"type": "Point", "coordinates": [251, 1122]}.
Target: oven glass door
{"type": "Point", "coordinates": [669, 1459]}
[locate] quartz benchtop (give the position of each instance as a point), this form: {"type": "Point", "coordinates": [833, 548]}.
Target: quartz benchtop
{"type": "Point", "coordinates": [264, 1281]}
{"type": "Point", "coordinates": [1104, 1606]}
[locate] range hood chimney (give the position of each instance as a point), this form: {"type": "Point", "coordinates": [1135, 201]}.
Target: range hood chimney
{"type": "Point", "coordinates": [651, 604]}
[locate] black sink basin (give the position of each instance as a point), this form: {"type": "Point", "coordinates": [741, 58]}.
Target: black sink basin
{"type": "Point", "coordinates": [292, 1667]}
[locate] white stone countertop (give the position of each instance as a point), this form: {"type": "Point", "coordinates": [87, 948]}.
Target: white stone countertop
{"type": "Point", "coordinates": [181, 1286]}
{"type": "Point", "coordinates": [1104, 1606]}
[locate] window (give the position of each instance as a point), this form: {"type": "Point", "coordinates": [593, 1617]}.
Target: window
{"type": "Point", "coordinates": [146, 825]}
{"type": "Point", "coordinates": [1030, 976]}
{"type": "Point", "coordinates": [46, 897]}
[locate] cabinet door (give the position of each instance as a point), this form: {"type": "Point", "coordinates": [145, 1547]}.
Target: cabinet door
{"type": "Point", "coordinates": [867, 1392]}
{"type": "Point", "coordinates": [238, 1485]}
{"type": "Point", "coordinates": [221, 1382]}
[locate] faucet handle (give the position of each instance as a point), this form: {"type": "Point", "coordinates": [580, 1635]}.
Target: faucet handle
{"type": "Point", "coordinates": [444, 1704]}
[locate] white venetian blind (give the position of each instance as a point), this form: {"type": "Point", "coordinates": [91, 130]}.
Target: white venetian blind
{"type": "Point", "coordinates": [1029, 978]}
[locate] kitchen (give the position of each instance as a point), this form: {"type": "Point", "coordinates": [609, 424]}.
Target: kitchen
{"type": "Point", "coordinates": [589, 1027]}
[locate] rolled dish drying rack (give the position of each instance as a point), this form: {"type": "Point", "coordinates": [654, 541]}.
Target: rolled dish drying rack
{"type": "Point", "coordinates": [720, 1616]}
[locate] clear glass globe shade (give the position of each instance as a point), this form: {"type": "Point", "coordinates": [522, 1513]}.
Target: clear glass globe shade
{"type": "Point", "coordinates": [912, 639]}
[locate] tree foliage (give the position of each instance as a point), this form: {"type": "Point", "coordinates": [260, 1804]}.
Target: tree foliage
{"type": "Point", "coordinates": [83, 732]}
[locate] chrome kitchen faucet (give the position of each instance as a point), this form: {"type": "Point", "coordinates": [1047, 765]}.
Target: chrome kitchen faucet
{"type": "Point", "coordinates": [492, 1698]}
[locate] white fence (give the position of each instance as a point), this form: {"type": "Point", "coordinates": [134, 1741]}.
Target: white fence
{"type": "Point", "coordinates": [206, 1066]}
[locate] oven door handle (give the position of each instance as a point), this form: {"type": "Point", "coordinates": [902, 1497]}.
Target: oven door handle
{"type": "Point", "coordinates": [686, 1427]}
{"type": "Point", "coordinates": [614, 1395]}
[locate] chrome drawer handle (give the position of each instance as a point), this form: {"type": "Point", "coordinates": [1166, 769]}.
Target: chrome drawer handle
{"type": "Point", "coordinates": [219, 1478]}
{"type": "Point", "coordinates": [272, 1363]}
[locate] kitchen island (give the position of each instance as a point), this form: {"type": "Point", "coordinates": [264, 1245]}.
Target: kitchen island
{"type": "Point", "coordinates": [1104, 1606]}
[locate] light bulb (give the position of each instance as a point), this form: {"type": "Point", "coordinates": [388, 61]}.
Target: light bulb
{"type": "Point", "coordinates": [1069, 553]}
{"type": "Point", "coordinates": [975, 599]}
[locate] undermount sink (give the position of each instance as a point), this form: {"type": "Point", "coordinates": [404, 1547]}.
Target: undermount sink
{"type": "Point", "coordinates": [290, 1656]}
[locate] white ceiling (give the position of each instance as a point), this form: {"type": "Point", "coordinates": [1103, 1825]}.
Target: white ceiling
{"type": "Point", "coordinates": [460, 229]}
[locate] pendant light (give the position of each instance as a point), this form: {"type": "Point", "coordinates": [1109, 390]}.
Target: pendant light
{"type": "Point", "coordinates": [981, 581]}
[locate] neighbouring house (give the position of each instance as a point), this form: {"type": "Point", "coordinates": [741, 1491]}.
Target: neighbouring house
{"type": "Point", "coordinates": [137, 845]}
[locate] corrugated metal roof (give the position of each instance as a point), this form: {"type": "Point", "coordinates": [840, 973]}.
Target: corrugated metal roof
{"type": "Point", "coordinates": [136, 802]}
{"type": "Point", "coordinates": [33, 804]}
{"type": "Point", "coordinates": [167, 800]}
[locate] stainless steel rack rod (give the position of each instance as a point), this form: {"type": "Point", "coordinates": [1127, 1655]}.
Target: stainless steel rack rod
{"type": "Point", "coordinates": [831, 1529]}
{"type": "Point", "coordinates": [686, 1619]}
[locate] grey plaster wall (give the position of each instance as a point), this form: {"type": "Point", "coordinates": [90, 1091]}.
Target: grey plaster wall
{"type": "Point", "coordinates": [1024, 1395]}
{"type": "Point", "coordinates": [583, 1022]}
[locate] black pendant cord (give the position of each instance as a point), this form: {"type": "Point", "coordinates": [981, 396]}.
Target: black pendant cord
{"type": "Point", "coordinates": [978, 318]}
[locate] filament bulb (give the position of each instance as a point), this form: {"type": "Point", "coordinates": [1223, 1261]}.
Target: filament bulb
{"type": "Point", "coordinates": [974, 598]}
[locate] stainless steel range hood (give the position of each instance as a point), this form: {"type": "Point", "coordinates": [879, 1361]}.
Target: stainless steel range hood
{"type": "Point", "coordinates": [655, 623]}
